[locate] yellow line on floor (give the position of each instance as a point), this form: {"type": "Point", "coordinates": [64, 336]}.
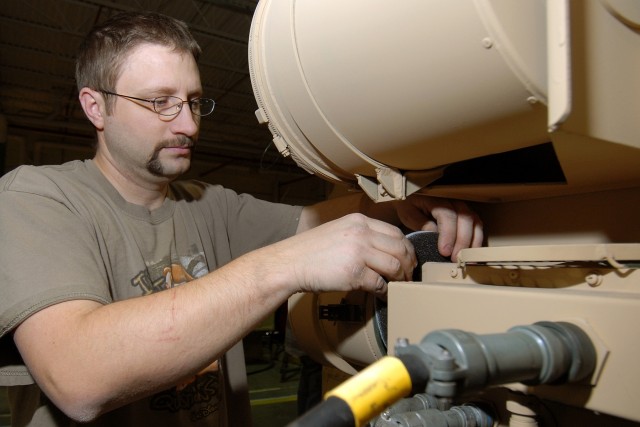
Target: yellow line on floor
{"type": "Point", "coordinates": [274, 400]}
{"type": "Point", "coordinates": [265, 390]}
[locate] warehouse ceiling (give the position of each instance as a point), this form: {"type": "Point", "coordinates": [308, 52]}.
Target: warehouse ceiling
{"type": "Point", "coordinates": [38, 96]}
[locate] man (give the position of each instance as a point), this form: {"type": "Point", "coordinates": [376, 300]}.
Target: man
{"type": "Point", "coordinates": [94, 252]}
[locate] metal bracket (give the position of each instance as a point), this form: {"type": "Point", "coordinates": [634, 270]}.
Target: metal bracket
{"type": "Point", "coordinates": [342, 312]}
{"type": "Point", "coordinates": [392, 184]}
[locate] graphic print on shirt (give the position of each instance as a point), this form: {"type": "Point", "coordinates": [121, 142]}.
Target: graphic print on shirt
{"type": "Point", "coordinates": [169, 273]}
{"type": "Point", "coordinates": [200, 395]}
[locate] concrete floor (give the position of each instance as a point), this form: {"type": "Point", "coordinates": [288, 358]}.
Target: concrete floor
{"type": "Point", "coordinates": [273, 392]}
{"type": "Point", "coordinates": [5, 418]}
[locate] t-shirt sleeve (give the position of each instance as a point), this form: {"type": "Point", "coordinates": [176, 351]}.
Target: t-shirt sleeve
{"type": "Point", "coordinates": [254, 223]}
{"type": "Point", "coordinates": [48, 255]}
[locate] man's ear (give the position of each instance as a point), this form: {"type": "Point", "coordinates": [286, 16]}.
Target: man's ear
{"type": "Point", "coordinates": [92, 103]}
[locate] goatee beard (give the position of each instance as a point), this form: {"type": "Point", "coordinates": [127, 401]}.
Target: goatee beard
{"type": "Point", "coordinates": [154, 165]}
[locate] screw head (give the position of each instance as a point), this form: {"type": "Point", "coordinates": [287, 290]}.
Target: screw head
{"type": "Point", "coordinates": [594, 279]}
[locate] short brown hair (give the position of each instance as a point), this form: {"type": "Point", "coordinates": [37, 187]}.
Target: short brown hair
{"type": "Point", "coordinates": [104, 50]}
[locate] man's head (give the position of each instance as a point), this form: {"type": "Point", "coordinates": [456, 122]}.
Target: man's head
{"type": "Point", "coordinates": [139, 85]}
{"type": "Point", "coordinates": [105, 49]}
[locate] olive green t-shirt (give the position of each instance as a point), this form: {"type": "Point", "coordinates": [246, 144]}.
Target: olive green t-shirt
{"type": "Point", "coordinates": [68, 234]}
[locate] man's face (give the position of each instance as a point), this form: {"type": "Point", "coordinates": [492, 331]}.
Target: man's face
{"type": "Point", "coordinates": [139, 142]}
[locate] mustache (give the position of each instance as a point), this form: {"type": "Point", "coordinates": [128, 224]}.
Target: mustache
{"type": "Point", "coordinates": [179, 142]}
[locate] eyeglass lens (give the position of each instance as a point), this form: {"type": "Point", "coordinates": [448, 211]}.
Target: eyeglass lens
{"type": "Point", "coordinates": [171, 105]}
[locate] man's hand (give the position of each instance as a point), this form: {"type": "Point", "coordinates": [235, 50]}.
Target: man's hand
{"type": "Point", "coordinates": [351, 253]}
{"type": "Point", "coordinates": [459, 227]}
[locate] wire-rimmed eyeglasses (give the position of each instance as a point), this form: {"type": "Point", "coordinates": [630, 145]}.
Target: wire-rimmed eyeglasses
{"type": "Point", "coordinates": [172, 105]}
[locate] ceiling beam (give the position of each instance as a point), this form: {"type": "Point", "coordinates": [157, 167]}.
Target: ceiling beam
{"type": "Point", "coordinates": [121, 7]}
{"type": "Point", "coordinates": [248, 7]}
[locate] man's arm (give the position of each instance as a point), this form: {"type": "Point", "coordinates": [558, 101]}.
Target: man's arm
{"type": "Point", "coordinates": [459, 227]}
{"type": "Point", "coordinates": [90, 358]}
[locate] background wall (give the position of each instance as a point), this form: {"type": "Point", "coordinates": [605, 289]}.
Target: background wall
{"type": "Point", "coordinates": [41, 121]}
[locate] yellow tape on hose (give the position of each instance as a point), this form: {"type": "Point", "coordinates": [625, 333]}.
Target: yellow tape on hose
{"type": "Point", "coordinates": [375, 388]}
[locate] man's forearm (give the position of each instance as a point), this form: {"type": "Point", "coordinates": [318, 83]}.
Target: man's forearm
{"type": "Point", "coordinates": [91, 358]}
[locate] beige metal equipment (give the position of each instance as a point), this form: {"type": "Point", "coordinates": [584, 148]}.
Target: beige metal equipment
{"type": "Point", "coordinates": [530, 111]}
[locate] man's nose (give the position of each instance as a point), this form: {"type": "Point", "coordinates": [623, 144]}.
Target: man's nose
{"type": "Point", "coordinates": [185, 122]}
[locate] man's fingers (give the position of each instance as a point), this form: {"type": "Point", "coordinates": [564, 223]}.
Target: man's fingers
{"type": "Point", "coordinates": [468, 229]}
{"type": "Point", "coordinates": [447, 220]}
{"type": "Point", "coordinates": [478, 234]}
{"type": "Point", "coordinates": [417, 213]}
{"type": "Point", "coordinates": [392, 254]}
{"type": "Point", "coordinates": [458, 226]}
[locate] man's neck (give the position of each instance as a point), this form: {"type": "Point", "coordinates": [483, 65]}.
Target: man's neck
{"type": "Point", "coordinates": [137, 191]}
